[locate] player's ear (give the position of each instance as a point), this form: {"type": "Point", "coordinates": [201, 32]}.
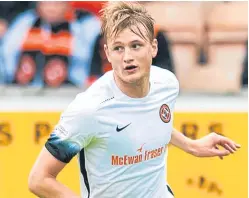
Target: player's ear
{"type": "Point", "coordinates": [154, 48]}
{"type": "Point", "coordinates": [106, 52]}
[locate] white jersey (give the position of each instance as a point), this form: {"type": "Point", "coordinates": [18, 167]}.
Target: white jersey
{"type": "Point", "coordinates": [121, 141]}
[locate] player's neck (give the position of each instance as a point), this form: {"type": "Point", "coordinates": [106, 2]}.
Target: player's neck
{"type": "Point", "coordinates": [138, 89]}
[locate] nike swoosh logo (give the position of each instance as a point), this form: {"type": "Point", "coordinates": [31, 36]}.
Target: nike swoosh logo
{"type": "Point", "coordinates": [120, 129]}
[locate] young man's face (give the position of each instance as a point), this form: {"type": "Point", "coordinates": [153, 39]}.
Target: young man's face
{"type": "Point", "coordinates": [130, 55]}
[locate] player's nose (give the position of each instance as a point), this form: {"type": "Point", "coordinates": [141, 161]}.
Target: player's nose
{"type": "Point", "coordinates": [128, 56]}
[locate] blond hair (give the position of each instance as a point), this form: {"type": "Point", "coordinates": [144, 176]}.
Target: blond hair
{"type": "Point", "coordinates": [116, 16]}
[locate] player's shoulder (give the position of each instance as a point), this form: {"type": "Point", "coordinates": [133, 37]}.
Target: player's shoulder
{"type": "Point", "coordinates": [163, 76]}
{"type": "Point", "coordinates": [92, 98]}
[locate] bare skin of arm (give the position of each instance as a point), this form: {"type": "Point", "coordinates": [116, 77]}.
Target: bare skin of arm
{"type": "Point", "coordinates": [206, 146]}
{"type": "Point", "coordinates": [42, 179]}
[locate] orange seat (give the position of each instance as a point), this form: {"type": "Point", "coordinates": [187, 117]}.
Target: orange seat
{"type": "Point", "coordinates": [227, 35]}
{"type": "Point", "coordinates": [181, 20]}
{"type": "Point", "coordinates": [212, 79]}
{"type": "Point", "coordinates": [227, 23]}
{"type": "Point", "coordinates": [184, 24]}
{"type": "Point", "coordinates": [184, 57]}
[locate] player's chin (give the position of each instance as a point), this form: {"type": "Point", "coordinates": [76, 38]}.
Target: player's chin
{"type": "Point", "coordinates": [132, 78]}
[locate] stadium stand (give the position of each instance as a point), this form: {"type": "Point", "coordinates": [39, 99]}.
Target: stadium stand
{"type": "Point", "coordinates": [223, 25]}
{"type": "Point", "coordinates": [205, 46]}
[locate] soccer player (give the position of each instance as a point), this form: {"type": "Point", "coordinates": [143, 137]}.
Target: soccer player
{"type": "Point", "coordinates": [120, 127]}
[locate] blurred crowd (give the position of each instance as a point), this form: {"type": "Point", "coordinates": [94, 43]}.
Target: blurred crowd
{"type": "Point", "coordinates": [56, 44]}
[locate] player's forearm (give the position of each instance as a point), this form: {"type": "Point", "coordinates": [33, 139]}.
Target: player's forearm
{"type": "Point", "coordinates": [49, 187]}
{"type": "Point", "coordinates": [182, 142]}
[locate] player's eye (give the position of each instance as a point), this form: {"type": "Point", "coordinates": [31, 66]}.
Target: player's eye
{"type": "Point", "coordinates": [136, 46]}
{"type": "Point", "coordinates": [118, 48]}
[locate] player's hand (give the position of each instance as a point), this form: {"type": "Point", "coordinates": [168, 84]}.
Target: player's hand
{"type": "Point", "coordinates": [208, 146]}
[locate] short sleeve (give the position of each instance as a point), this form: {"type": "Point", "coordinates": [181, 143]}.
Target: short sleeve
{"type": "Point", "coordinates": [74, 131]}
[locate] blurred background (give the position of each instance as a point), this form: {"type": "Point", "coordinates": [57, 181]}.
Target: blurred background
{"type": "Point", "coordinates": [50, 51]}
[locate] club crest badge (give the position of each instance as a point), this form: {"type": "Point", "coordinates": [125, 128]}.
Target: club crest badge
{"type": "Point", "coordinates": [164, 113]}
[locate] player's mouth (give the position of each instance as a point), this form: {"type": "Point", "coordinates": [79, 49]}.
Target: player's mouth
{"type": "Point", "coordinates": [131, 68]}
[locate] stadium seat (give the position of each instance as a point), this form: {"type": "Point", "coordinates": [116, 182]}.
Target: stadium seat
{"type": "Point", "coordinates": [226, 48]}
{"type": "Point", "coordinates": [182, 24]}
{"type": "Point", "coordinates": [212, 79]}
{"type": "Point", "coordinates": [227, 23]}
{"type": "Point", "coordinates": [181, 20]}
{"type": "Point", "coordinates": [227, 35]}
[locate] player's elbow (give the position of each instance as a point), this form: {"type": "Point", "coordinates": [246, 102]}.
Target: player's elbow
{"type": "Point", "coordinates": [34, 183]}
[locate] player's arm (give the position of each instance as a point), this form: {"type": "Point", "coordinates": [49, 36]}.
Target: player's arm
{"type": "Point", "coordinates": [42, 179]}
{"type": "Point", "coordinates": [73, 133]}
{"type": "Point", "coordinates": [206, 146]}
